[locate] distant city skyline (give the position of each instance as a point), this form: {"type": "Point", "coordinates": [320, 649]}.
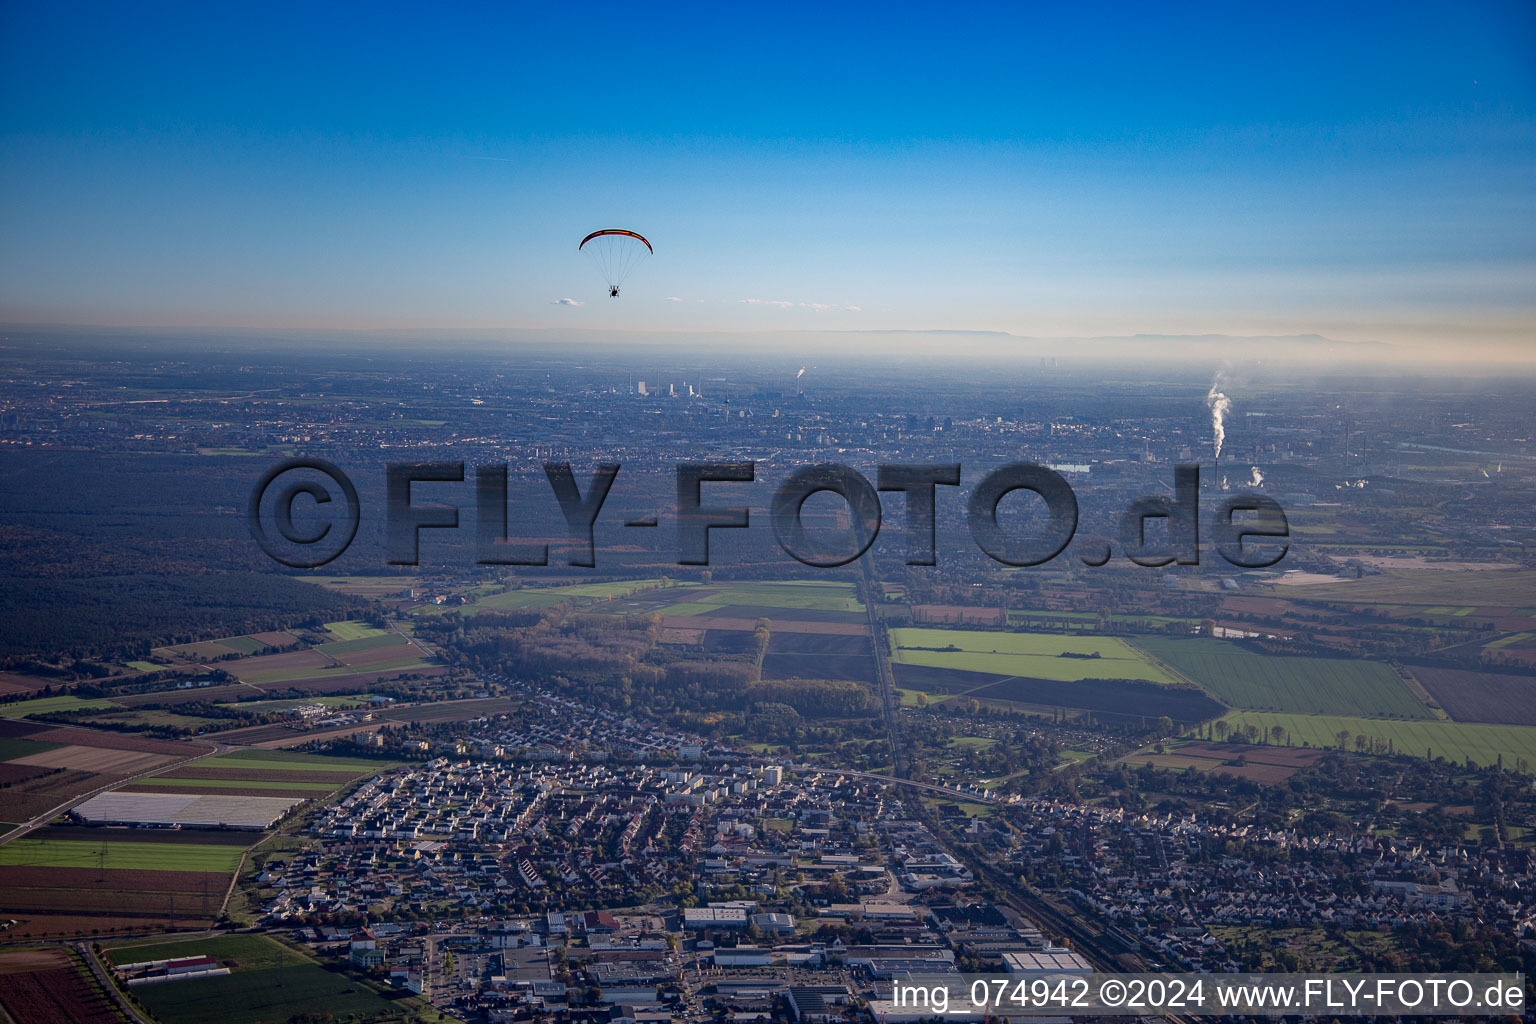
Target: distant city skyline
{"type": "Point", "coordinates": [1366, 174]}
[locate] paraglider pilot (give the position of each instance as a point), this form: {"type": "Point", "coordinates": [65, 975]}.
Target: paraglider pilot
{"type": "Point", "coordinates": [613, 291]}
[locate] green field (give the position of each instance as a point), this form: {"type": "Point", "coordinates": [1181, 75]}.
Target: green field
{"type": "Point", "coordinates": [253, 951]}
{"type": "Point", "coordinates": [14, 747]}
{"type": "Point", "coordinates": [363, 643]}
{"type": "Point", "coordinates": [1454, 741]}
{"type": "Point", "coordinates": [144, 666]}
{"type": "Point", "coordinates": [163, 782]}
{"type": "Point", "coordinates": [152, 717]}
{"type": "Point", "coordinates": [270, 982]}
{"type": "Point", "coordinates": [243, 644]}
{"type": "Point", "coordinates": [1036, 655]}
{"type": "Point", "coordinates": [790, 594]}
{"type": "Point", "coordinates": [604, 591]}
{"type": "Point", "coordinates": [1241, 678]}
{"type": "Point", "coordinates": [23, 708]}
{"type": "Point", "coordinates": [352, 629]}
{"type": "Point", "coordinates": [126, 856]}
{"type": "Point", "coordinates": [296, 674]}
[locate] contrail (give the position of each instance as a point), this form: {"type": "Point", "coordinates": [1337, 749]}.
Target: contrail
{"type": "Point", "coordinates": [1219, 404]}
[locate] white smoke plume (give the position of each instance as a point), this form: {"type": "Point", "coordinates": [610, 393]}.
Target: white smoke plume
{"type": "Point", "coordinates": [1257, 479]}
{"type": "Point", "coordinates": [1486, 476]}
{"type": "Point", "coordinates": [1220, 404]}
{"type": "Point", "coordinates": [800, 374]}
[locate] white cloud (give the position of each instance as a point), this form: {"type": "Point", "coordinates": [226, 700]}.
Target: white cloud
{"type": "Point", "coordinates": [671, 298]}
{"type": "Point", "coordinates": [815, 307]}
{"type": "Point", "coordinates": [567, 302]}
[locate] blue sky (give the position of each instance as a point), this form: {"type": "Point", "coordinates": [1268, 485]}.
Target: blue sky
{"type": "Point", "coordinates": [1364, 172]}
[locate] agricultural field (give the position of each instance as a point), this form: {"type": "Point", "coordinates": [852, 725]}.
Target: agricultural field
{"type": "Point", "coordinates": [262, 773]}
{"type": "Point", "coordinates": [1241, 678]}
{"type": "Point", "coordinates": [1458, 742]}
{"type": "Point", "coordinates": [796, 599]}
{"type": "Point", "coordinates": [815, 656]}
{"type": "Point", "coordinates": [1033, 655]}
{"type": "Point", "coordinates": [45, 766]}
{"type": "Point", "coordinates": [269, 982]}
{"type": "Point", "coordinates": [1434, 588]}
{"type": "Point", "coordinates": [109, 872]}
{"type": "Point", "coordinates": [127, 855]}
{"type": "Point", "coordinates": [51, 986]}
{"type": "Point", "coordinates": [1266, 764]}
{"type": "Point", "coordinates": [352, 629]}
{"type": "Point", "coordinates": [1469, 696]}
{"type": "Point", "coordinates": [45, 705]}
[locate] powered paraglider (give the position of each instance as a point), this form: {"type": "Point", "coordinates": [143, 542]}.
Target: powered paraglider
{"type": "Point", "coordinates": [616, 253]}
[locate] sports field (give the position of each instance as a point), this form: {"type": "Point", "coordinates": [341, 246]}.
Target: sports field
{"type": "Point", "coordinates": [1242, 678]}
{"type": "Point", "coordinates": [1454, 741]}
{"type": "Point", "coordinates": [1034, 655]}
{"type": "Point", "coordinates": [125, 856]}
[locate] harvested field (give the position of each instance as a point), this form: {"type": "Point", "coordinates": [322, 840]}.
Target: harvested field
{"type": "Point", "coordinates": [281, 735]}
{"type": "Point", "coordinates": [112, 878]}
{"type": "Point", "coordinates": [188, 836]}
{"type": "Point", "coordinates": [120, 741]}
{"type": "Point", "coordinates": [1289, 756]}
{"type": "Point", "coordinates": [95, 759]}
{"type": "Point", "coordinates": [714, 622]}
{"type": "Point", "coordinates": [13, 682]}
{"type": "Point", "coordinates": [1106, 698]}
{"type": "Point", "coordinates": [276, 639]}
{"type": "Point", "coordinates": [11, 774]}
{"type": "Point", "coordinates": [229, 790]}
{"type": "Point", "coordinates": [283, 661]}
{"type": "Point", "coordinates": [1263, 773]}
{"type": "Point", "coordinates": [941, 680]}
{"type": "Point", "coordinates": [376, 655]}
{"type": "Point", "coordinates": [206, 650]}
{"type": "Point", "coordinates": [22, 960]}
{"type": "Point", "coordinates": [216, 694]}
{"type": "Point", "coordinates": [57, 993]}
{"type": "Point", "coordinates": [31, 925]}
{"type": "Point", "coordinates": [1468, 696]}
{"type": "Point", "coordinates": [774, 613]}
{"type": "Point", "coordinates": [683, 636]}
{"type": "Point", "coordinates": [27, 799]}
{"type": "Point", "coordinates": [956, 614]}
{"type": "Point", "coordinates": [109, 899]}
{"type": "Point", "coordinates": [820, 666]}
{"type": "Point", "coordinates": [453, 710]}
{"type": "Point", "coordinates": [820, 644]}
{"type": "Point", "coordinates": [351, 682]}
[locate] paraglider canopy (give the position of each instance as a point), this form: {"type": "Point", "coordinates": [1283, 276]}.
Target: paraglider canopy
{"type": "Point", "coordinates": [616, 252]}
